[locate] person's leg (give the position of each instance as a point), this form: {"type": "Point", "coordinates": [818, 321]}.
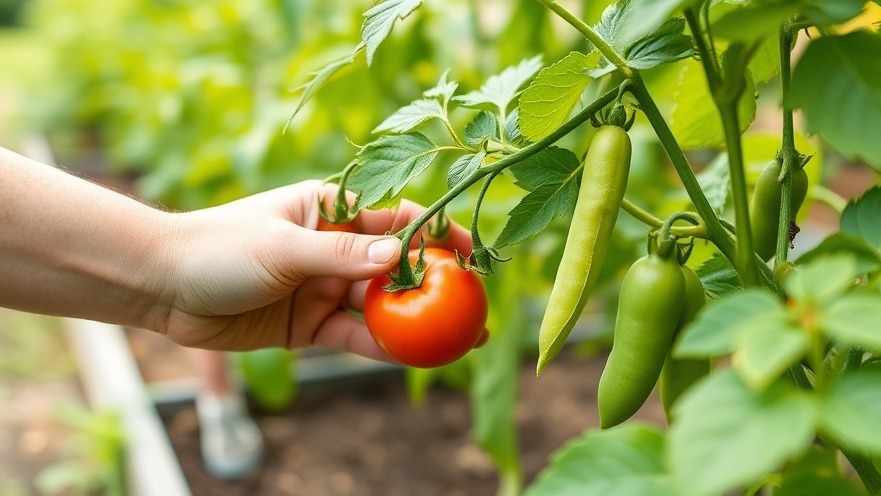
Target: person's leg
{"type": "Point", "coordinates": [231, 442]}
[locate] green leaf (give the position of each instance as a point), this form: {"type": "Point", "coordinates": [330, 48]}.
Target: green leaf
{"type": "Point", "coordinates": [464, 167]}
{"type": "Point", "coordinates": [860, 217]}
{"type": "Point", "coordinates": [695, 121]}
{"type": "Point", "coordinates": [727, 435]}
{"type": "Point", "coordinates": [641, 18]}
{"type": "Point", "coordinates": [851, 410]}
{"type": "Point", "coordinates": [537, 209]}
{"type": "Point", "coordinates": [844, 105]}
{"type": "Point", "coordinates": [714, 330]}
{"type": "Point", "coordinates": [822, 12]}
{"type": "Point", "coordinates": [319, 78]}
{"type": "Point", "coordinates": [625, 461]}
{"type": "Point", "coordinates": [763, 352]}
{"type": "Point", "coordinates": [715, 180]}
{"type": "Point", "coordinates": [867, 258]}
{"type": "Point", "coordinates": [553, 165]}
{"type": "Point", "coordinates": [500, 90]}
{"type": "Point", "coordinates": [410, 116]}
{"type": "Point", "coordinates": [378, 22]}
{"type": "Point", "coordinates": [718, 276]}
{"type": "Point", "coordinates": [388, 164]}
{"type": "Point", "coordinates": [755, 20]}
{"type": "Point", "coordinates": [483, 127]}
{"type": "Point", "coordinates": [765, 64]}
{"type": "Point", "coordinates": [549, 99]}
{"type": "Point", "coordinates": [823, 279]}
{"type": "Point", "coordinates": [667, 44]}
{"type": "Point", "coordinates": [512, 127]}
{"type": "Point", "coordinates": [854, 320]}
{"type": "Point", "coordinates": [816, 474]}
{"type": "Point", "coordinates": [443, 90]}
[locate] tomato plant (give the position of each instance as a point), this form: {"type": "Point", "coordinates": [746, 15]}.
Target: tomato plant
{"type": "Point", "coordinates": [487, 121]}
{"type": "Point", "coordinates": [434, 324]}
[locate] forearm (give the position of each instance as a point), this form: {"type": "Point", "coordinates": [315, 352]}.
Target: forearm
{"type": "Point", "coordinates": [70, 247]}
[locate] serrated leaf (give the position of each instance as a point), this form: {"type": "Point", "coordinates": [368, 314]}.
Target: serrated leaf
{"type": "Point", "coordinates": [851, 411]}
{"type": "Point", "coordinates": [823, 279]}
{"type": "Point", "coordinates": [755, 20]}
{"type": "Point", "coordinates": [512, 127]}
{"type": "Point", "coordinates": [499, 90]}
{"type": "Point", "coordinates": [388, 164]}
{"type": "Point", "coordinates": [714, 330]}
{"type": "Point", "coordinates": [483, 127]}
{"type": "Point", "coordinates": [550, 98]}
{"type": "Point", "coordinates": [727, 435]}
{"type": "Point", "coordinates": [695, 122]}
{"type": "Point", "coordinates": [667, 44]}
{"type": "Point", "coordinates": [464, 166]}
{"type": "Point", "coordinates": [553, 165]}
{"type": "Point", "coordinates": [378, 22]}
{"type": "Point", "coordinates": [860, 217]}
{"type": "Point", "coordinates": [626, 461]}
{"type": "Point", "coordinates": [854, 320]}
{"type": "Point", "coordinates": [762, 353]}
{"type": "Point", "coordinates": [535, 211]}
{"type": "Point", "coordinates": [641, 18]}
{"type": "Point", "coordinates": [444, 89]}
{"type": "Point", "coordinates": [410, 116]}
{"type": "Point", "coordinates": [765, 64]}
{"type": "Point", "coordinates": [715, 181]}
{"type": "Point", "coordinates": [843, 106]}
{"type": "Point", "coordinates": [718, 276]}
{"type": "Point", "coordinates": [816, 474]}
{"type": "Point", "coordinates": [318, 78]}
{"type": "Point", "coordinates": [822, 12]}
{"type": "Point", "coordinates": [867, 258]}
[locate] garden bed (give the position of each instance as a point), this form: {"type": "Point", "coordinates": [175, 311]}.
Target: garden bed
{"type": "Point", "coordinates": [362, 436]}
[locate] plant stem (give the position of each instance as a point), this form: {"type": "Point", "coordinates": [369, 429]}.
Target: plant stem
{"type": "Point", "coordinates": [714, 228]}
{"type": "Point", "coordinates": [706, 56]}
{"type": "Point", "coordinates": [592, 36]}
{"type": "Point", "coordinates": [745, 262]}
{"type": "Point", "coordinates": [866, 470]}
{"type": "Point", "coordinates": [650, 220]}
{"type": "Point", "coordinates": [406, 234]}
{"type": "Point", "coordinates": [788, 156]}
{"type": "Point", "coordinates": [832, 199]}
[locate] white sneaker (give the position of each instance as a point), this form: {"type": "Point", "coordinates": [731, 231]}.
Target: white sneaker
{"type": "Point", "coordinates": [231, 442]}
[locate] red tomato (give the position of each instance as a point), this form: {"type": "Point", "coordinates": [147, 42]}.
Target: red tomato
{"type": "Point", "coordinates": [434, 324]}
{"type": "Point", "coordinates": [326, 225]}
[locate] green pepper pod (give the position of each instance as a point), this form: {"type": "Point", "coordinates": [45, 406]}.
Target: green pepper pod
{"type": "Point", "coordinates": [679, 374]}
{"type": "Point", "coordinates": [603, 181]}
{"type": "Point", "coordinates": [651, 302]}
{"type": "Point", "coordinates": [765, 206]}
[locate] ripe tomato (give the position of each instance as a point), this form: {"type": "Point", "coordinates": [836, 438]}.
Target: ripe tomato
{"type": "Point", "coordinates": [326, 225]}
{"type": "Point", "coordinates": [434, 324]}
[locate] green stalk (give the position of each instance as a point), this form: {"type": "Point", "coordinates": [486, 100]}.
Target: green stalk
{"type": "Point", "coordinates": [745, 261]}
{"type": "Point", "coordinates": [592, 36]}
{"type": "Point", "coordinates": [650, 220]}
{"type": "Point", "coordinates": [788, 154]}
{"type": "Point", "coordinates": [405, 272]}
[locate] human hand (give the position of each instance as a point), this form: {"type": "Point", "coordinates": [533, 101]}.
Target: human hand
{"type": "Point", "coordinates": [254, 273]}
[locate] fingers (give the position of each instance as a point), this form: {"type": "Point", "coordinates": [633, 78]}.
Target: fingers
{"type": "Point", "coordinates": [349, 256]}
{"type": "Point", "coordinates": [341, 331]}
{"type": "Point", "coordinates": [381, 221]}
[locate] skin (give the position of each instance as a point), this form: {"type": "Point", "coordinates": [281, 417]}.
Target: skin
{"type": "Point", "coordinates": [652, 296]}
{"type": "Point", "coordinates": [603, 181]}
{"type": "Point", "coordinates": [248, 274]}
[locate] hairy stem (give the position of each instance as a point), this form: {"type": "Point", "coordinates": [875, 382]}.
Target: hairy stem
{"type": "Point", "coordinates": [650, 220]}
{"type": "Point", "coordinates": [591, 35]}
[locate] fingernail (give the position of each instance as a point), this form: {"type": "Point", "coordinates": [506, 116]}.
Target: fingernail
{"type": "Point", "coordinates": [382, 251]}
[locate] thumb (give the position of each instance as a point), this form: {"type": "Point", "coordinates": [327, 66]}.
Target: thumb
{"type": "Point", "coordinates": [345, 255]}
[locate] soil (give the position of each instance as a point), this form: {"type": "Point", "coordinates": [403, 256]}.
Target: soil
{"type": "Point", "coordinates": [364, 438]}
